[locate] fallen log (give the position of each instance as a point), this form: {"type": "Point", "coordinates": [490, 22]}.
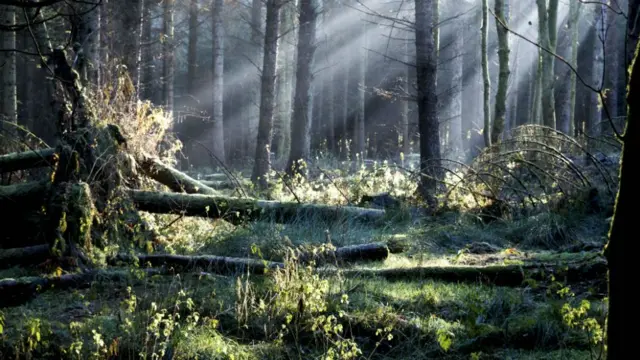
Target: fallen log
{"type": "Point", "coordinates": [222, 184]}
{"type": "Point", "coordinates": [236, 210]}
{"type": "Point", "coordinates": [14, 292]}
{"type": "Point", "coordinates": [347, 254]}
{"type": "Point", "coordinates": [510, 275]}
{"type": "Point", "coordinates": [23, 256]}
{"type": "Point", "coordinates": [26, 160]}
{"type": "Point", "coordinates": [23, 195]}
{"type": "Point", "coordinates": [220, 265]}
{"type": "Point", "coordinates": [172, 178]}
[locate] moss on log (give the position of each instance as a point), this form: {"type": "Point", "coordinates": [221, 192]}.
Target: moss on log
{"type": "Point", "coordinates": [214, 264]}
{"type": "Point", "coordinates": [347, 254]}
{"type": "Point", "coordinates": [23, 256]}
{"type": "Point", "coordinates": [27, 160]}
{"type": "Point", "coordinates": [15, 292]}
{"type": "Point", "coordinates": [510, 275]}
{"type": "Point", "coordinates": [236, 210]}
{"type": "Point", "coordinates": [23, 196]}
{"type": "Point", "coordinates": [172, 178]}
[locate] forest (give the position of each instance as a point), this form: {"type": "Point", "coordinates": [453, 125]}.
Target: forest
{"type": "Point", "coordinates": [318, 179]}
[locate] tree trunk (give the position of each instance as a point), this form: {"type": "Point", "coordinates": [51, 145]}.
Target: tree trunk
{"type": "Point", "coordinates": [404, 112]}
{"type": "Point", "coordinates": [238, 210]}
{"type": "Point", "coordinates": [566, 102]}
{"type": "Point", "coordinates": [282, 131]}
{"type": "Point", "coordinates": [503, 80]}
{"type": "Point", "coordinates": [262, 165]}
{"type": "Point", "coordinates": [192, 49]}
{"type": "Point", "coordinates": [301, 126]}
{"type": "Point", "coordinates": [131, 19]}
{"type": "Point", "coordinates": [613, 44]}
{"type": "Point", "coordinates": [31, 255]}
{"type": "Point", "coordinates": [426, 67]}
{"type": "Point", "coordinates": [486, 79]}
{"type": "Point", "coordinates": [168, 53]}
{"type": "Point", "coordinates": [633, 30]}
{"type": "Point", "coordinates": [9, 105]}
{"type": "Point", "coordinates": [172, 178]}
{"type": "Point", "coordinates": [595, 113]}
{"type": "Point", "coordinates": [623, 244]}
{"type": "Point", "coordinates": [359, 139]}
{"type": "Point", "coordinates": [217, 9]}
{"type": "Point", "coordinates": [455, 106]}
{"type": "Point", "coordinates": [26, 160]}
{"type": "Point", "coordinates": [547, 34]}
{"type": "Point", "coordinates": [257, 54]}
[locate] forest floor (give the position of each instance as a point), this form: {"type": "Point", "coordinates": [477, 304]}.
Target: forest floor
{"type": "Point", "coordinates": [310, 313]}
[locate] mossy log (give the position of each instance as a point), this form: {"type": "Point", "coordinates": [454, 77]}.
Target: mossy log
{"type": "Point", "coordinates": [15, 292]}
{"type": "Point", "coordinates": [23, 256]}
{"type": "Point", "coordinates": [27, 160]}
{"type": "Point", "coordinates": [210, 263]}
{"type": "Point", "coordinates": [22, 196]}
{"type": "Point", "coordinates": [348, 254]}
{"type": "Point", "coordinates": [172, 178]}
{"type": "Point", "coordinates": [220, 184]}
{"type": "Point", "coordinates": [510, 275]}
{"type": "Point", "coordinates": [236, 210]}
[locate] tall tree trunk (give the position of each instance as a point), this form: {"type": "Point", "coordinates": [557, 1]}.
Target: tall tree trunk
{"type": "Point", "coordinates": [404, 111]}
{"type": "Point", "coordinates": [613, 44]}
{"type": "Point", "coordinates": [146, 88]}
{"type": "Point", "coordinates": [623, 244]}
{"type": "Point", "coordinates": [566, 95]}
{"type": "Point", "coordinates": [574, 19]}
{"type": "Point", "coordinates": [455, 106]}
{"type": "Point", "coordinates": [192, 48]}
{"type": "Point", "coordinates": [633, 29]}
{"type": "Point", "coordinates": [346, 139]}
{"type": "Point", "coordinates": [282, 126]}
{"type": "Point", "coordinates": [301, 124]}
{"type": "Point", "coordinates": [359, 128]}
{"type": "Point", "coordinates": [131, 18]}
{"type": "Point", "coordinates": [168, 66]}
{"type": "Point", "coordinates": [503, 80]}
{"type": "Point", "coordinates": [9, 108]}
{"type": "Point", "coordinates": [595, 124]}
{"type": "Point", "coordinates": [256, 58]}
{"type": "Point", "coordinates": [485, 74]}
{"type": "Point", "coordinates": [547, 35]}
{"type": "Point", "coordinates": [426, 67]}
{"type": "Point", "coordinates": [217, 148]}
{"type": "Point", "coordinates": [262, 165]}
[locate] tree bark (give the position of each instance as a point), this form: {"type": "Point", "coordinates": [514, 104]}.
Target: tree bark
{"type": "Point", "coordinates": [595, 123]}
{"type": "Point", "coordinates": [455, 107]}
{"type": "Point", "coordinates": [486, 79]}
{"type": "Point", "coordinates": [623, 245]}
{"type": "Point", "coordinates": [9, 105]}
{"type": "Point", "coordinates": [237, 210]}
{"type": "Point", "coordinates": [566, 102]}
{"type": "Point", "coordinates": [301, 124]}
{"type": "Point", "coordinates": [24, 196]}
{"type": "Point", "coordinates": [426, 68]}
{"type": "Point", "coordinates": [503, 79]}
{"type": "Point", "coordinates": [168, 60]}
{"type": "Point", "coordinates": [217, 9]}
{"type": "Point", "coordinates": [23, 256]}
{"type": "Point", "coordinates": [172, 178]}
{"type": "Point", "coordinates": [192, 48]}
{"type": "Point", "coordinates": [26, 160]}
{"type": "Point", "coordinates": [262, 164]}
{"type": "Point", "coordinates": [547, 34]}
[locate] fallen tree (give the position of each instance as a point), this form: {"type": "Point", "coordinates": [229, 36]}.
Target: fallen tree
{"type": "Point", "coordinates": [23, 256]}
{"type": "Point", "coordinates": [346, 254]}
{"type": "Point", "coordinates": [26, 160]}
{"type": "Point", "coordinates": [510, 275]}
{"type": "Point", "coordinates": [20, 290]}
{"type": "Point", "coordinates": [172, 178]}
{"type": "Point", "coordinates": [236, 210]}
{"type": "Point", "coordinates": [25, 195]}
{"type": "Point", "coordinates": [210, 263]}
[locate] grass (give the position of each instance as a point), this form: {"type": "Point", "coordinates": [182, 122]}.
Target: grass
{"type": "Point", "coordinates": [297, 313]}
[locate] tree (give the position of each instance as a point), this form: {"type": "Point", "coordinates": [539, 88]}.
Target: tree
{"type": "Point", "coordinates": [426, 68]}
{"type": "Point", "coordinates": [547, 37]}
{"type": "Point", "coordinates": [301, 125]}
{"type": "Point", "coordinates": [503, 80]}
{"type": "Point", "coordinates": [217, 9]}
{"type": "Point", "coordinates": [262, 165]}
{"type": "Point", "coordinates": [168, 65]}
{"type": "Point", "coordinates": [485, 73]}
{"type": "Point", "coordinates": [9, 105]}
{"type": "Point", "coordinates": [622, 244]}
